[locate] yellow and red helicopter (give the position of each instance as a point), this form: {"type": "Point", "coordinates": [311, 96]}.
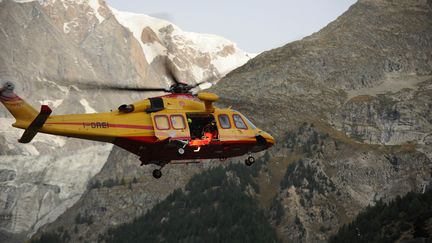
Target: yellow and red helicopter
{"type": "Point", "coordinates": [178, 126]}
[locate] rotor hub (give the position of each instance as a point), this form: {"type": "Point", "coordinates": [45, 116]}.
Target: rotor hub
{"type": "Point", "coordinates": [7, 86]}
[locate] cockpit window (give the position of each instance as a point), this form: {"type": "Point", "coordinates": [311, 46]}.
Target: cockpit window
{"type": "Point", "coordinates": [224, 121]}
{"type": "Point", "coordinates": [238, 121]}
{"type": "Point", "coordinates": [250, 123]}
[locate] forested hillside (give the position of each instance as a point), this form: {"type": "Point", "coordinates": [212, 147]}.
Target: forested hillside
{"type": "Point", "coordinates": [404, 218]}
{"type": "Point", "coordinates": [216, 206]}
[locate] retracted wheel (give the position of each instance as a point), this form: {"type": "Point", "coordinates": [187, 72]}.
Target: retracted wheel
{"type": "Point", "coordinates": [249, 161]}
{"type": "Point", "coordinates": [180, 151]}
{"type": "Point", "coordinates": [157, 173]}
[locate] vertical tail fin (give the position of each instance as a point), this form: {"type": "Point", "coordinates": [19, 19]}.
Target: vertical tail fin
{"type": "Point", "coordinates": [23, 112]}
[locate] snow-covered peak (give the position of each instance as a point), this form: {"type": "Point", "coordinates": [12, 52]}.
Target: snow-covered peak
{"type": "Point", "coordinates": [211, 55]}
{"type": "Point", "coordinates": [138, 22]}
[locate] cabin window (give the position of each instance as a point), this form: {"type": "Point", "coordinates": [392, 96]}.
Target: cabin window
{"type": "Point", "coordinates": [177, 122]}
{"type": "Point", "coordinates": [224, 121]}
{"type": "Point", "coordinates": [162, 122]}
{"type": "Point", "coordinates": [238, 121]}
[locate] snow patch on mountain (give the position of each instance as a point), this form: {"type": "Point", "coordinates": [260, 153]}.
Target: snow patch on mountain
{"type": "Point", "coordinates": [51, 103]}
{"type": "Point", "coordinates": [136, 23]}
{"type": "Point", "coordinates": [94, 4]}
{"type": "Point", "coordinates": [198, 72]}
{"type": "Point", "coordinates": [87, 107]}
{"type": "Point", "coordinates": [224, 64]}
{"type": "Point", "coordinates": [68, 26]}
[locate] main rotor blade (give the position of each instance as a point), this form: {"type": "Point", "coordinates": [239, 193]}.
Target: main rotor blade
{"type": "Point", "coordinates": [208, 80]}
{"type": "Point", "coordinates": [138, 89]}
{"type": "Point", "coordinates": [199, 83]}
{"type": "Point", "coordinates": [120, 88]}
{"type": "Point", "coordinates": [88, 84]}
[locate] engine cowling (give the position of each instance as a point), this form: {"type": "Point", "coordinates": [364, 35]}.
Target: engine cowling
{"type": "Point", "coordinates": [208, 99]}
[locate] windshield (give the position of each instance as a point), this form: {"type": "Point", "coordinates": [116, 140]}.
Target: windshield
{"type": "Point", "coordinates": [251, 125]}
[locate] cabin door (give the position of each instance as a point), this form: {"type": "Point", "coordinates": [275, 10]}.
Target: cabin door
{"type": "Point", "coordinates": [225, 127]}
{"type": "Point", "coordinates": [170, 125]}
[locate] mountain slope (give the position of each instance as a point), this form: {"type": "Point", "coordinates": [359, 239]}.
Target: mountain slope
{"type": "Point", "coordinates": [350, 106]}
{"type": "Point", "coordinates": [367, 47]}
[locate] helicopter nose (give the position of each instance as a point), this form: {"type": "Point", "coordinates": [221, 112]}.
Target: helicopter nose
{"type": "Point", "coordinates": [271, 141]}
{"type": "Point", "coordinates": [269, 138]}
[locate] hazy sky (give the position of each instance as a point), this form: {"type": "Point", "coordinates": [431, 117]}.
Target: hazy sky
{"type": "Point", "coordinates": [254, 25]}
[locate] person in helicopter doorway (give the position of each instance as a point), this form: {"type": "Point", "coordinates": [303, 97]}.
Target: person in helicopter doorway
{"type": "Point", "coordinates": [209, 132]}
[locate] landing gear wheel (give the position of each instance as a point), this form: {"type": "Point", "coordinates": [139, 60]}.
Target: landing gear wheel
{"type": "Point", "coordinates": [181, 151]}
{"type": "Point", "coordinates": [249, 161]}
{"type": "Point", "coordinates": [157, 173]}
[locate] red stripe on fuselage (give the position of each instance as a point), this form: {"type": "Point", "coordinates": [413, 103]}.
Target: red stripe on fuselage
{"type": "Point", "coordinates": [131, 126]}
{"type": "Point", "coordinates": [109, 125]}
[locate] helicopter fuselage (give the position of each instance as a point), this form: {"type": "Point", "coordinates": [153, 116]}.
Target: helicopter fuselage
{"type": "Point", "coordinates": [158, 130]}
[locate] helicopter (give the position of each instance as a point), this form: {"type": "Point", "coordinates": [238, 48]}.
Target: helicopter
{"type": "Point", "coordinates": [160, 130]}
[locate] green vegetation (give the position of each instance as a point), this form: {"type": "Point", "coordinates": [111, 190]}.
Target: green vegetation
{"type": "Point", "coordinates": [48, 238]}
{"type": "Point", "coordinates": [58, 236]}
{"type": "Point", "coordinates": [215, 207]}
{"type": "Point", "coordinates": [410, 216]}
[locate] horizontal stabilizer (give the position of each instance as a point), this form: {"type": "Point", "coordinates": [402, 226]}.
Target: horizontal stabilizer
{"type": "Point", "coordinates": [36, 124]}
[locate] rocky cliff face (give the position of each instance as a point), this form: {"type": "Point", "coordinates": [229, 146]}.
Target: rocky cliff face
{"type": "Point", "coordinates": [364, 81]}
{"type": "Point", "coordinates": [47, 46]}
{"type": "Point", "coordinates": [333, 177]}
